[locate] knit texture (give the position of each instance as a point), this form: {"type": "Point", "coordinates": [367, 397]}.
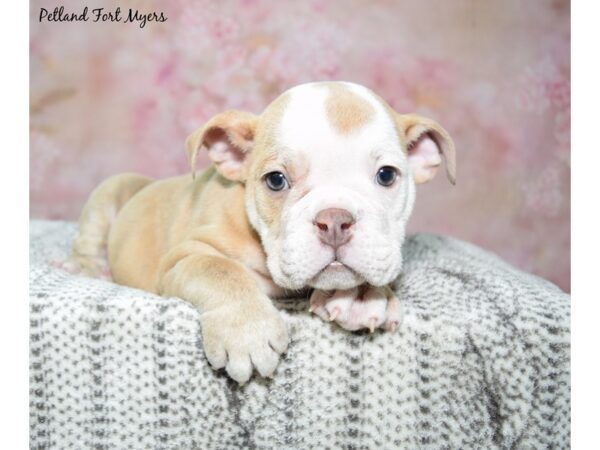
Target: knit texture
{"type": "Point", "coordinates": [480, 361]}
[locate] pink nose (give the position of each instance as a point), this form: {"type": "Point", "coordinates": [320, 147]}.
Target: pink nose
{"type": "Point", "coordinates": [334, 226]}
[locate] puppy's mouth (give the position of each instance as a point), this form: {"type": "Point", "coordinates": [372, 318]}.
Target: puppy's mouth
{"type": "Point", "coordinates": [336, 275]}
{"type": "Point", "coordinates": [336, 266]}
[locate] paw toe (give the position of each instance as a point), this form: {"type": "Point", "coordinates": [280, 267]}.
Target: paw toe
{"type": "Point", "coordinates": [278, 338]}
{"type": "Point", "coordinates": [391, 325]}
{"type": "Point", "coordinates": [216, 356]}
{"type": "Point", "coordinates": [265, 360]}
{"type": "Point", "coordinates": [239, 367]}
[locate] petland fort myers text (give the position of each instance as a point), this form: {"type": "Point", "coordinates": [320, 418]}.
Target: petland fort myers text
{"type": "Point", "coordinates": [59, 14]}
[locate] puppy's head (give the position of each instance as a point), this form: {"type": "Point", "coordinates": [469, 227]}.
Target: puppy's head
{"type": "Point", "coordinates": [330, 172]}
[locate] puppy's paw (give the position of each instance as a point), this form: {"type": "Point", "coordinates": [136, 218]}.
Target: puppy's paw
{"type": "Point", "coordinates": [94, 267]}
{"type": "Point", "coordinates": [363, 307]}
{"type": "Point", "coordinates": [243, 337]}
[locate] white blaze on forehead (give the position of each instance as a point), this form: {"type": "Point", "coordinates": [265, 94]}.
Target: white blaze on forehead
{"type": "Point", "coordinates": [307, 128]}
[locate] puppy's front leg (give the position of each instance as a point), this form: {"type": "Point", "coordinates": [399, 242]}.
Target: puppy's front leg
{"type": "Point", "coordinates": [241, 328]}
{"type": "Point", "coordinates": [362, 307]}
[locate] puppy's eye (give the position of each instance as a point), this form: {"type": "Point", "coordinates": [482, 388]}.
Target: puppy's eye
{"type": "Point", "coordinates": [386, 175]}
{"type": "Point", "coordinates": [276, 181]}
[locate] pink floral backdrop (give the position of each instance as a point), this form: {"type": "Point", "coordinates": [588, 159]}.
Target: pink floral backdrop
{"type": "Point", "coordinates": [113, 97]}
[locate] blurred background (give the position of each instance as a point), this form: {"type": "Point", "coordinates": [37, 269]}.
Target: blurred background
{"type": "Point", "coordinates": [113, 97]}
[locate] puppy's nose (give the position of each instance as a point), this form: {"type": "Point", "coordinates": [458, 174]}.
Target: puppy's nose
{"type": "Point", "coordinates": [334, 226]}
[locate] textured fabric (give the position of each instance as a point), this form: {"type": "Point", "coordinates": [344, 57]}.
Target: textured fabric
{"type": "Point", "coordinates": [481, 361]}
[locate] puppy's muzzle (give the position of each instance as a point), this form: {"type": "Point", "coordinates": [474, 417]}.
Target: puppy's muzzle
{"type": "Point", "coordinates": [334, 226]}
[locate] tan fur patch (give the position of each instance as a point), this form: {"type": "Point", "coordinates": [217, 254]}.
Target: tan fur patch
{"type": "Point", "coordinates": [269, 204]}
{"type": "Point", "coordinates": [266, 133]}
{"type": "Point", "coordinates": [346, 110]}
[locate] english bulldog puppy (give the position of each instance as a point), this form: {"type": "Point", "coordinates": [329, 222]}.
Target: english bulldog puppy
{"type": "Point", "coordinates": [314, 193]}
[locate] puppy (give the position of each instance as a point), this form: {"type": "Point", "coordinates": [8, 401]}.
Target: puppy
{"type": "Point", "coordinates": [313, 193]}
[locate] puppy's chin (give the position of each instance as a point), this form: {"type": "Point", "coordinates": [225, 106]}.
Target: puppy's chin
{"type": "Point", "coordinates": [336, 276]}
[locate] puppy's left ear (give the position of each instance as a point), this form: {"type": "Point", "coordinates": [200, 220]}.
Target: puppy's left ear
{"type": "Point", "coordinates": [425, 141]}
{"type": "Point", "coordinates": [229, 138]}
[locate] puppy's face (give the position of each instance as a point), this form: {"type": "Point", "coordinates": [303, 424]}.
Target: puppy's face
{"type": "Point", "coordinates": [330, 173]}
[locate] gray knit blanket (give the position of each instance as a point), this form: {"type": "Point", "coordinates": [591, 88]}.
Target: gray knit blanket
{"type": "Point", "coordinates": [481, 361]}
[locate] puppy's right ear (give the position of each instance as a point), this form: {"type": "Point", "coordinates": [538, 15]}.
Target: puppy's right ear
{"type": "Point", "coordinates": [229, 138]}
{"type": "Point", "coordinates": [426, 140]}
